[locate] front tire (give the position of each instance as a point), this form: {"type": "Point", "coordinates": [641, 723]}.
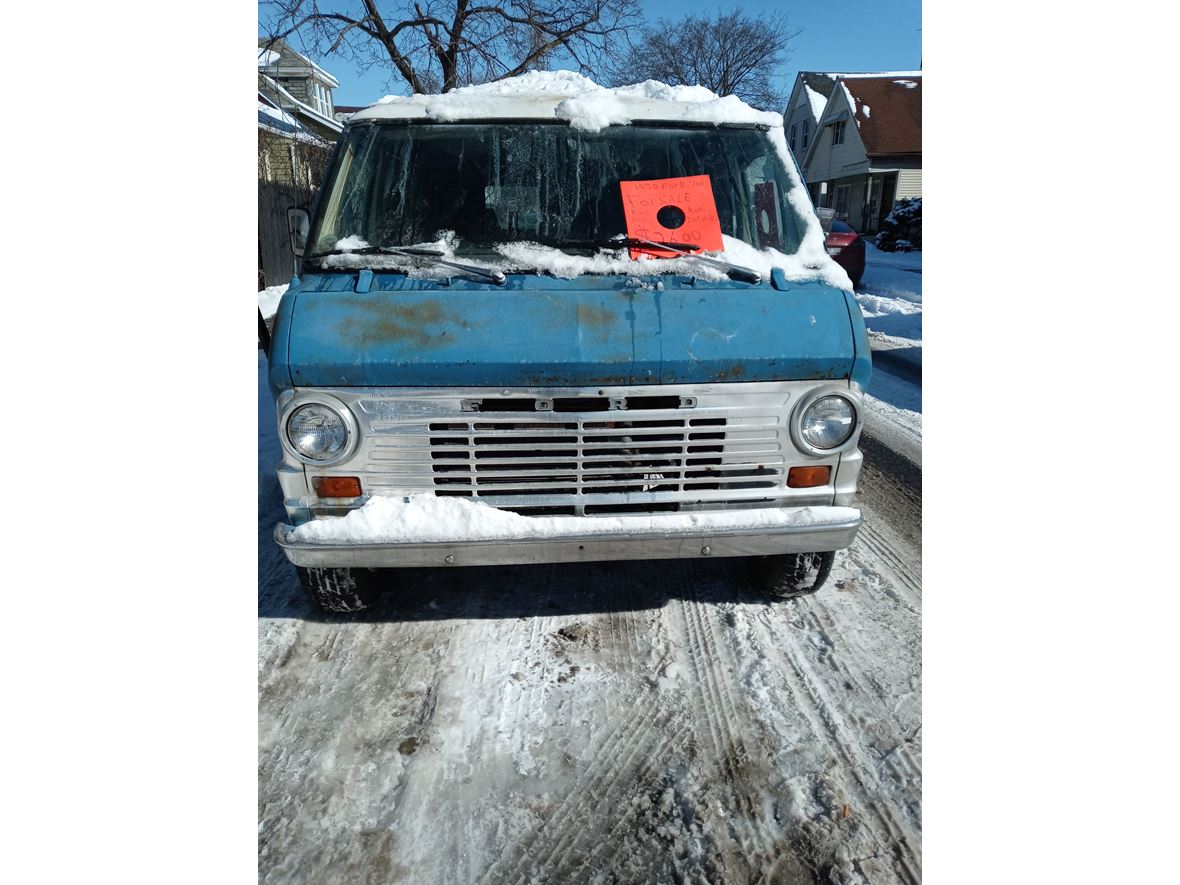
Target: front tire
{"type": "Point", "coordinates": [792, 575]}
{"type": "Point", "coordinates": [336, 590]}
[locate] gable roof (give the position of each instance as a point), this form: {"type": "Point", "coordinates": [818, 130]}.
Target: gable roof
{"type": "Point", "coordinates": [277, 58]}
{"type": "Point", "coordinates": [888, 111]}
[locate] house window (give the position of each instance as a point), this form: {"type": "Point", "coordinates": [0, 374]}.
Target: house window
{"type": "Point", "coordinates": [792, 138]}
{"type": "Point", "coordinates": [838, 132]}
{"type": "Point", "coordinates": [843, 193]}
{"type": "Point", "coordinates": [806, 131]}
{"type": "Point", "coordinates": [320, 99]}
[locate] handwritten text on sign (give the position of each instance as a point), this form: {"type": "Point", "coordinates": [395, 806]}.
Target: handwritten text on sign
{"type": "Point", "coordinates": [672, 210]}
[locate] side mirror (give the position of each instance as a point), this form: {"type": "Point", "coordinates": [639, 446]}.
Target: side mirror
{"type": "Point", "coordinates": [299, 227]}
{"type": "Point", "coordinates": [827, 218]}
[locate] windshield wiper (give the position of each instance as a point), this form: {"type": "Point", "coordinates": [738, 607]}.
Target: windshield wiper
{"type": "Point", "coordinates": [733, 271]}
{"type": "Point", "coordinates": [432, 255]}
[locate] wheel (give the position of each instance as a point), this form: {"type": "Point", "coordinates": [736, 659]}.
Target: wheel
{"type": "Point", "coordinates": [336, 589]}
{"type": "Point", "coordinates": [794, 574]}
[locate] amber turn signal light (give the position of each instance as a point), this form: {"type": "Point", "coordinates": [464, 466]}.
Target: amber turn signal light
{"type": "Point", "coordinates": [337, 486]}
{"type": "Point", "coordinates": [808, 477]}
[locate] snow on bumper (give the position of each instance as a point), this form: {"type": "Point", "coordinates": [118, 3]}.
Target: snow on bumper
{"type": "Point", "coordinates": [429, 531]}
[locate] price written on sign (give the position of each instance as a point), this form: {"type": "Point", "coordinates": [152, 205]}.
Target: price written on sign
{"type": "Point", "coordinates": [672, 210]}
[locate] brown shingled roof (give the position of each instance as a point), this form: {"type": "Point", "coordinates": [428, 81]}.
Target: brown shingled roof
{"type": "Point", "coordinates": [894, 122]}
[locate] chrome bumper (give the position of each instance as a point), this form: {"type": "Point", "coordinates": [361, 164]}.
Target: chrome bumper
{"type": "Point", "coordinates": [834, 533]}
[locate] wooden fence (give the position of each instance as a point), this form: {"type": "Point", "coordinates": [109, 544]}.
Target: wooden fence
{"type": "Point", "coordinates": [275, 261]}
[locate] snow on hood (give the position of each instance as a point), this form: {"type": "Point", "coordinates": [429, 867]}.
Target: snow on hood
{"type": "Point", "coordinates": [426, 518]}
{"type": "Point", "coordinates": [566, 95]}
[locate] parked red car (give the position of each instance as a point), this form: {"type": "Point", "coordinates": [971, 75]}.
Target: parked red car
{"type": "Point", "coordinates": [848, 249]}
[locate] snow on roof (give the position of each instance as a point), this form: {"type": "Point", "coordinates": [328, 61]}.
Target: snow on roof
{"type": "Point", "coordinates": [858, 74]}
{"type": "Point", "coordinates": [267, 57]}
{"type": "Point", "coordinates": [851, 101]}
{"type": "Point", "coordinates": [818, 101]}
{"type": "Point", "coordinates": [908, 84]}
{"type": "Point", "coordinates": [566, 95]}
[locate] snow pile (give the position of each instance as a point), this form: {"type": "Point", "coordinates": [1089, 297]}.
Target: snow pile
{"type": "Point", "coordinates": [908, 84]}
{"type": "Point", "coordinates": [351, 242]}
{"type": "Point", "coordinates": [268, 299]}
{"type": "Point", "coordinates": [426, 518]}
{"type": "Point", "coordinates": [890, 293]}
{"type": "Point", "coordinates": [570, 96]}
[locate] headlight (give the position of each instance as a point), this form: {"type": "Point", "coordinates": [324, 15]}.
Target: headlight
{"type": "Point", "coordinates": [828, 422]}
{"type": "Point", "coordinates": [317, 432]}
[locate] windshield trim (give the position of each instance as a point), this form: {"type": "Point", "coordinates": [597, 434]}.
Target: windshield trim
{"type": "Point", "coordinates": [551, 121]}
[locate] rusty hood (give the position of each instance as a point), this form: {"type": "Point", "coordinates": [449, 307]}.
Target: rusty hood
{"type": "Point", "coordinates": [541, 331]}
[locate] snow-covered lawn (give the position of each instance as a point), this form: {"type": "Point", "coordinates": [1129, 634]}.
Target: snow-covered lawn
{"type": "Point", "coordinates": [890, 296]}
{"type": "Point", "coordinates": [890, 293]}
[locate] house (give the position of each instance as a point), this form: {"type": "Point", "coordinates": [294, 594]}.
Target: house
{"type": "Point", "coordinates": [298, 85]}
{"type": "Point", "coordinates": [861, 170]}
{"type": "Point", "coordinates": [809, 96]}
{"type": "Point", "coordinates": [296, 132]}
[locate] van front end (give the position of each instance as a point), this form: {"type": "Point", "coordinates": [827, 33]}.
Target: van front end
{"type": "Point", "coordinates": [625, 417]}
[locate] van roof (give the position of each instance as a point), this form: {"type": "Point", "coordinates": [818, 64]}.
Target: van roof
{"type": "Point", "coordinates": [565, 95]}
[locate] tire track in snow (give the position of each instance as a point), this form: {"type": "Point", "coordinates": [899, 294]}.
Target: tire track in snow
{"type": "Point", "coordinates": [744, 841]}
{"type": "Point", "coordinates": [818, 707]}
{"type": "Point", "coordinates": [885, 552]}
{"type": "Point", "coordinates": [608, 775]}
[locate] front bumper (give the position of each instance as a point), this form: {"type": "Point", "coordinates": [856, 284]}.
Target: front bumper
{"type": "Point", "coordinates": [826, 529]}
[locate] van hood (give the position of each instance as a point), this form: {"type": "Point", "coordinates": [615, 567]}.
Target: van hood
{"type": "Point", "coordinates": [539, 331]}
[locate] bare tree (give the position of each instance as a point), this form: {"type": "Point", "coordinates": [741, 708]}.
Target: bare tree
{"type": "Point", "coordinates": [730, 54]}
{"type": "Point", "coordinates": [436, 45]}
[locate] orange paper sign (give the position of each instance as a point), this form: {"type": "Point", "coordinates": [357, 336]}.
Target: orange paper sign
{"type": "Point", "coordinates": [672, 210]}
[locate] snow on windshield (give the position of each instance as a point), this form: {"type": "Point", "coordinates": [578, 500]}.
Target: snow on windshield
{"type": "Point", "coordinates": [519, 234]}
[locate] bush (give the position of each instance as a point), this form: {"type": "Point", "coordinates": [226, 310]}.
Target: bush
{"type": "Point", "coordinates": [903, 225]}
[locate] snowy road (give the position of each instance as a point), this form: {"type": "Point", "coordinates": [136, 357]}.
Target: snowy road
{"type": "Point", "coordinates": [606, 722]}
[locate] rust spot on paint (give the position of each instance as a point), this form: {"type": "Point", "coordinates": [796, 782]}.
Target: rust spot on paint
{"type": "Point", "coordinates": [375, 320]}
{"type": "Point", "coordinates": [595, 318]}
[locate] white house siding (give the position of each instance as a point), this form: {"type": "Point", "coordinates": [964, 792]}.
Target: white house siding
{"type": "Point", "coordinates": [828, 161]}
{"type": "Point", "coordinates": [909, 183]}
{"type": "Point", "coordinates": [796, 114]}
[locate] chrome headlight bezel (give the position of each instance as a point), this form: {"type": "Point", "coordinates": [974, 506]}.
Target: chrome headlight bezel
{"type": "Point", "coordinates": [351, 430]}
{"type": "Point", "coordinates": [807, 401]}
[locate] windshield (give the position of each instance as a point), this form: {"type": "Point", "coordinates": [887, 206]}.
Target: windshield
{"type": "Point", "coordinates": [488, 184]}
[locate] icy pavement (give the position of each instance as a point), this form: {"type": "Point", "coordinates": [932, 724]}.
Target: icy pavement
{"type": "Point", "coordinates": [602, 722]}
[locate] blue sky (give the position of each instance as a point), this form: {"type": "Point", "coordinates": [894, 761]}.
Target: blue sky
{"type": "Point", "coordinates": [853, 35]}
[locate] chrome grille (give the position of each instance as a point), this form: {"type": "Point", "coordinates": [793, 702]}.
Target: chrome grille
{"type": "Point", "coordinates": [583, 451]}
{"type": "Point", "coordinates": [596, 463]}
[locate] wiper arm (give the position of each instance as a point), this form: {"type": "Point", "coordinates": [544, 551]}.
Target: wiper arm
{"type": "Point", "coordinates": [624, 242]}
{"type": "Point", "coordinates": [734, 271]}
{"type": "Point", "coordinates": [433, 255]}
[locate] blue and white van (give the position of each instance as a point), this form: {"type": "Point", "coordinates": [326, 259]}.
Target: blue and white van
{"type": "Point", "coordinates": [488, 357]}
